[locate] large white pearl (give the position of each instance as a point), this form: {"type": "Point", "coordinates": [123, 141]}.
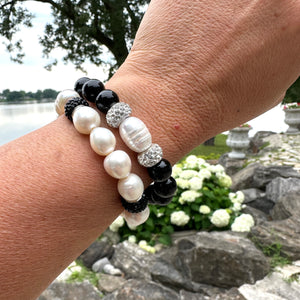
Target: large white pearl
{"type": "Point", "coordinates": [135, 134]}
{"type": "Point", "coordinates": [102, 141]}
{"type": "Point", "coordinates": [62, 98]}
{"type": "Point", "coordinates": [85, 119]}
{"type": "Point", "coordinates": [131, 188]}
{"type": "Point", "coordinates": [137, 219]}
{"type": "Point", "coordinates": [117, 164]}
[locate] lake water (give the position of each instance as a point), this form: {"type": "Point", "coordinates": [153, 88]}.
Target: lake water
{"type": "Point", "coordinates": [19, 119]}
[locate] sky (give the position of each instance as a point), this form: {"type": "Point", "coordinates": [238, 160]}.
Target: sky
{"type": "Point", "coordinates": [31, 75]}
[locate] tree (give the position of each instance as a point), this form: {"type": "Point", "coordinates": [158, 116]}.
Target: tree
{"type": "Point", "coordinates": [49, 94]}
{"type": "Point", "coordinates": [293, 93]}
{"type": "Point", "coordinates": [83, 28]}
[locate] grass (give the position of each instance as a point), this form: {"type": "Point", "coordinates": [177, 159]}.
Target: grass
{"type": "Point", "coordinates": [212, 152]}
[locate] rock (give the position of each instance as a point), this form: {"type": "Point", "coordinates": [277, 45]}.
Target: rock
{"type": "Point", "coordinates": [257, 176]}
{"type": "Point", "coordinates": [232, 294]}
{"type": "Point", "coordinates": [71, 291]}
{"type": "Point", "coordinates": [109, 283]}
{"type": "Point", "coordinates": [111, 270]}
{"type": "Point", "coordinates": [135, 289]}
{"type": "Point", "coordinates": [99, 264]}
{"type": "Point", "coordinates": [287, 206]}
{"type": "Point", "coordinates": [111, 236]}
{"type": "Point", "coordinates": [132, 260]}
{"type": "Point", "coordinates": [244, 179]}
{"type": "Point", "coordinates": [283, 232]}
{"type": "Point", "coordinates": [257, 141]}
{"type": "Point", "coordinates": [263, 204]}
{"type": "Point", "coordinates": [258, 216]}
{"type": "Point", "coordinates": [272, 287]}
{"type": "Point", "coordinates": [185, 295]}
{"type": "Point", "coordinates": [96, 251]}
{"type": "Point", "coordinates": [223, 259]}
{"type": "Point", "coordinates": [231, 165]}
{"type": "Point", "coordinates": [252, 194]}
{"type": "Point", "coordinates": [278, 187]}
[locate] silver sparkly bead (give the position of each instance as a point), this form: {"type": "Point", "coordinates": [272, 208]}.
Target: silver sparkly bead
{"type": "Point", "coordinates": [117, 113]}
{"type": "Point", "coordinates": [151, 156]}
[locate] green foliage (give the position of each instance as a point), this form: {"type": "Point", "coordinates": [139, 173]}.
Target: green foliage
{"type": "Point", "coordinates": [83, 29]}
{"type": "Point", "coordinates": [192, 207]}
{"type": "Point", "coordinates": [212, 152]}
{"type": "Point", "coordinates": [293, 93]}
{"type": "Point", "coordinates": [274, 251]}
{"type": "Point", "coordinates": [16, 96]}
{"type": "Point", "coordinates": [83, 274]}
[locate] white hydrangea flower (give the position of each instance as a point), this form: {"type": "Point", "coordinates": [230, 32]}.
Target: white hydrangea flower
{"type": "Point", "coordinates": [225, 180]}
{"type": "Point", "coordinates": [132, 239]}
{"type": "Point", "coordinates": [236, 207]}
{"type": "Point", "coordinates": [204, 209]}
{"type": "Point", "coordinates": [201, 163]}
{"type": "Point", "coordinates": [204, 173]}
{"type": "Point", "coordinates": [196, 183]}
{"type": "Point", "coordinates": [182, 183]}
{"type": "Point", "coordinates": [220, 218]}
{"type": "Point", "coordinates": [116, 224]}
{"type": "Point", "coordinates": [179, 218]}
{"type": "Point", "coordinates": [176, 170]}
{"type": "Point", "coordinates": [181, 201]}
{"type": "Point", "coordinates": [144, 245]}
{"type": "Point", "coordinates": [190, 196]}
{"type": "Point", "coordinates": [188, 174]}
{"type": "Point", "coordinates": [216, 168]}
{"type": "Point", "coordinates": [237, 197]}
{"type": "Point", "coordinates": [191, 162]}
{"type": "Point", "coordinates": [131, 227]}
{"type": "Point", "coordinates": [243, 223]}
{"type": "Point", "coordinates": [159, 214]}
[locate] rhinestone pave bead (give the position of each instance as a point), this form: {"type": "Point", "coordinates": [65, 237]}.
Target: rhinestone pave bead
{"type": "Point", "coordinates": [151, 156]}
{"type": "Point", "coordinates": [117, 113]}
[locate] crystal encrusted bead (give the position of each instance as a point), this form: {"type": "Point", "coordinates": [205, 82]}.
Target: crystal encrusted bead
{"type": "Point", "coordinates": [151, 156]}
{"type": "Point", "coordinates": [71, 104]}
{"type": "Point", "coordinates": [135, 207]}
{"type": "Point", "coordinates": [105, 100]}
{"type": "Point", "coordinates": [117, 113]}
{"type": "Point", "coordinates": [161, 171]}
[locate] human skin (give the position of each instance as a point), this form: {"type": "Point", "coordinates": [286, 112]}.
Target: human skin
{"type": "Point", "coordinates": [196, 68]}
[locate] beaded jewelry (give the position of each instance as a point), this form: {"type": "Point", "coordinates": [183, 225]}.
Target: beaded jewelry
{"type": "Point", "coordinates": [117, 163]}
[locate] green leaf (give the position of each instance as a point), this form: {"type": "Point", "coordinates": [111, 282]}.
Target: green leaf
{"type": "Point", "coordinates": [165, 239]}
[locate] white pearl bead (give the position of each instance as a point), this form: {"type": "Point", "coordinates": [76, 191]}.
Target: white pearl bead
{"type": "Point", "coordinates": [131, 188]}
{"type": "Point", "coordinates": [135, 134]}
{"type": "Point", "coordinates": [62, 98]}
{"type": "Point", "coordinates": [133, 219]}
{"type": "Point", "coordinates": [102, 141]}
{"type": "Point", "coordinates": [85, 119]}
{"type": "Point", "coordinates": [117, 164]}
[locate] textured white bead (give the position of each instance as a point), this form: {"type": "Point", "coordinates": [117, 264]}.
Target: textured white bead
{"type": "Point", "coordinates": [133, 219]}
{"type": "Point", "coordinates": [85, 119]}
{"type": "Point", "coordinates": [135, 134]}
{"type": "Point", "coordinates": [131, 188]}
{"type": "Point", "coordinates": [117, 164]}
{"type": "Point", "coordinates": [151, 156]}
{"type": "Point", "coordinates": [62, 98]}
{"type": "Point", "coordinates": [102, 141]}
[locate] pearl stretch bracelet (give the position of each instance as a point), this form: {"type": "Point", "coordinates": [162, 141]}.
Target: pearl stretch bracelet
{"type": "Point", "coordinates": [117, 163]}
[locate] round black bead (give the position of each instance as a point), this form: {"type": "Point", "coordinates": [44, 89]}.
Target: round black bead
{"type": "Point", "coordinates": [91, 89]}
{"type": "Point", "coordinates": [79, 84]}
{"type": "Point", "coordinates": [105, 100]}
{"type": "Point", "coordinates": [135, 207]}
{"type": "Point", "coordinates": [154, 199]}
{"type": "Point", "coordinates": [161, 171]}
{"type": "Point", "coordinates": [71, 104]}
{"type": "Point", "coordinates": [148, 192]}
{"type": "Point", "coordinates": [166, 188]}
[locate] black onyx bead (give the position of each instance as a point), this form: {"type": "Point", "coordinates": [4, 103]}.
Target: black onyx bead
{"type": "Point", "coordinates": [154, 198]}
{"type": "Point", "coordinates": [71, 104]}
{"type": "Point", "coordinates": [105, 100]}
{"type": "Point", "coordinates": [135, 207]}
{"type": "Point", "coordinates": [79, 84]}
{"type": "Point", "coordinates": [148, 192]}
{"type": "Point", "coordinates": [166, 188]}
{"type": "Point", "coordinates": [161, 171]}
{"type": "Point", "coordinates": [91, 89]}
